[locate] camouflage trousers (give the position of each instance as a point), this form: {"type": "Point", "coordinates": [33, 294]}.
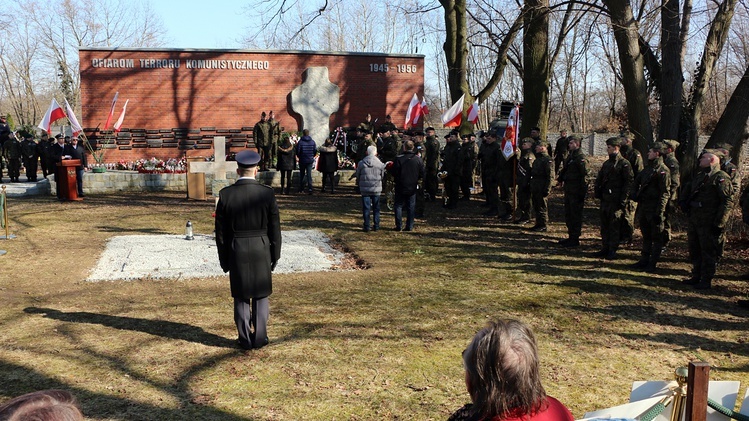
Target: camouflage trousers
{"type": "Point", "coordinates": [703, 238]}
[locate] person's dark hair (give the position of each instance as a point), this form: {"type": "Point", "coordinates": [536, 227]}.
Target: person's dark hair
{"type": "Point", "coordinates": [45, 405]}
{"type": "Point", "coordinates": [502, 370]}
{"type": "Point", "coordinates": [408, 145]}
{"type": "Point", "coordinates": [305, 132]}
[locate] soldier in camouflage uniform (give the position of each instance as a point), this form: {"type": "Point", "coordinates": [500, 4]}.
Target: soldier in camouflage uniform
{"type": "Point", "coordinates": [541, 176]}
{"type": "Point", "coordinates": [391, 147]}
{"type": "Point", "coordinates": [506, 184]}
{"type": "Point", "coordinates": [573, 179]}
{"type": "Point", "coordinates": [274, 138]}
{"type": "Point", "coordinates": [733, 172]}
{"type": "Point", "coordinates": [635, 160]}
{"type": "Point", "coordinates": [30, 157]}
{"type": "Point", "coordinates": [261, 135]}
{"type": "Point", "coordinates": [707, 199]}
{"type": "Point", "coordinates": [12, 154]}
{"type": "Point", "coordinates": [451, 164]}
{"type": "Point", "coordinates": [490, 156]}
{"type": "Point", "coordinates": [469, 151]}
{"type": "Point", "coordinates": [651, 191]}
{"type": "Point", "coordinates": [612, 187]}
{"type": "Point", "coordinates": [560, 151]}
{"type": "Point", "coordinates": [366, 126]}
{"type": "Point", "coordinates": [745, 217]}
{"type": "Point", "coordinates": [365, 142]}
{"type": "Point", "coordinates": [673, 167]}
{"type": "Point", "coordinates": [523, 181]}
{"type": "Point", "coordinates": [431, 163]}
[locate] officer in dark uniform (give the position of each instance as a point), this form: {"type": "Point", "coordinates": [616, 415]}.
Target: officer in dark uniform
{"type": "Point", "coordinates": [673, 167]}
{"type": "Point", "coordinates": [573, 179]}
{"type": "Point", "coordinates": [541, 176]}
{"type": "Point", "coordinates": [30, 157]}
{"type": "Point", "coordinates": [560, 152]}
{"type": "Point", "coordinates": [506, 184]}
{"type": "Point", "coordinates": [523, 181]}
{"type": "Point", "coordinates": [75, 150]}
{"type": "Point", "coordinates": [651, 191]}
{"type": "Point", "coordinates": [12, 153]}
{"type": "Point", "coordinates": [635, 160]}
{"type": "Point", "coordinates": [43, 149]}
{"type": "Point", "coordinates": [388, 126]}
{"type": "Point", "coordinates": [248, 238]}
{"type": "Point", "coordinates": [613, 184]}
{"type": "Point", "coordinates": [451, 165]}
{"type": "Point", "coordinates": [707, 199]}
{"type": "Point", "coordinates": [469, 151]}
{"type": "Point", "coordinates": [431, 163]}
{"type": "Point", "coordinates": [490, 155]}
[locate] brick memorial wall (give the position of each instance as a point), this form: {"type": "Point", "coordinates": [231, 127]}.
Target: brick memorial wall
{"type": "Point", "coordinates": [180, 99]}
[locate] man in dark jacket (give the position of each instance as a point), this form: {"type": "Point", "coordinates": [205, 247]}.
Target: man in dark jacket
{"type": "Point", "coordinates": [490, 156]}
{"type": "Point", "coordinates": [540, 184]}
{"type": "Point", "coordinates": [431, 163]}
{"type": "Point", "coordinates": [451, 166]}
{"type": "Point", "coordinates": [75, 150]}
{"type": "Point", "coordinates": [306, 150]}
{"type": "Point", "coordinates": [408, 169]}
{"type": "Point", "coordinates": [30, 157]}
{"type": "Point", "coordinates": [573, 180]}
{"type": "Point", "coordinates": [248, 238]}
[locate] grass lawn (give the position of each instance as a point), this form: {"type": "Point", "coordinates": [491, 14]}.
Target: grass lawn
{"type": "Point", "coordinates": [372, 344]}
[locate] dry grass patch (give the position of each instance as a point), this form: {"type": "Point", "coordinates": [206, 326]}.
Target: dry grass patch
{"type": "Point", "coordinates": [380, 343]}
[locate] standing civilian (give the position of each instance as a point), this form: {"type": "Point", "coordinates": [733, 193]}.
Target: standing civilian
{"type": "Point", "coordinates": [306, 151]}
{"type": "Point", "coordinates": [369, 174]}
{"type": "Point", "coordinates": [408, 169]}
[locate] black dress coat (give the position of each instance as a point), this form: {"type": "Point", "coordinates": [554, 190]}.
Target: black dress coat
{"type": "Point", "coordinates": [248, 237]}
{"type": "Point", "coordinates": [328, 161]}
{"type": "Point", "coordinates": [286, 158]}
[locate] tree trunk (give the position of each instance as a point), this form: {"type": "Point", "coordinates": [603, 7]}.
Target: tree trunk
{"type": "Point", "coordinates": [689, 132]}
{"type": "Point", "coordinates": [731, 127]}
{"type": "Point", "coordinates": [633, 72]}
{"type": "Point", "coordinates": [536, 67]}
{"type": "Point", "coordinates": [671, 74]}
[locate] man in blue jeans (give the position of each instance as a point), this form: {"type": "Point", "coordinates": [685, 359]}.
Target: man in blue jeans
{"type": "Point", "coordinates": [369, 174]}
{"type": "Point", "coordinates": [407, 170]}
{"type": "Point", "coordinates": [306, 150]}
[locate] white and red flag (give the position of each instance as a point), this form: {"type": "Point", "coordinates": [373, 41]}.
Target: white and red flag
{"type": "Point", "coordinates": [74, 124]}
{"type": "Point", "coordinates": [412, 115]}
{"type": "Point", "coordinates": [510, 139]}
{"type": "Point", "coordinates": [119, 121]}
{"type": "Point", "coordinates": [423, 110]}
{"type": "Point", "coordinates": [473, 112]}
{"type": "Point", "coordinates": [111, 111]}
{"type": "Point", "coordinates": [53, 114]}
{"type": "Point", "coordinates": [454, 115]}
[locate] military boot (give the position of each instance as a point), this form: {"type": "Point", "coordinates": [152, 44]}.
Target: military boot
{"type": "Point", "coordinates": [641, 264]}
{"type": "Point", "coordinates": [704, 283]}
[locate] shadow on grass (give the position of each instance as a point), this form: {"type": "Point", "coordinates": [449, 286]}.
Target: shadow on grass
{"type": "Point", "coordinates": [19, 380]}
{"type": "Point", "coordinates": [131, 230]}
{"type": "Point", "coordinates": [163, 328]}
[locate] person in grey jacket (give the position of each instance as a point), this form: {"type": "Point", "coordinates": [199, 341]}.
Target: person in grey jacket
{"type": "Point", "coordinates": [369, 174]}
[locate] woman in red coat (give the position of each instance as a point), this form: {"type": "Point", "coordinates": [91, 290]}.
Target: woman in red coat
{"type": "Point", "coordinates": [502, 377]}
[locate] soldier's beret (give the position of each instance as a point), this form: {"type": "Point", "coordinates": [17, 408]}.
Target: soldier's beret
{"type": "Point", "coordinates": [536, 129]}
{"type": "Point", "coordinates": [527, 140]}
{"type": "Point", "coordinates": [465, 136]}
{"type": "Point", "coordinates": [715, 152]}
{"type": "Point", "coordinates": [614, 141]}
{"type": "Point", "coordinates": [671, 143]}
{"type": "Point", "coordinates": [247, 158]}
{"type": "Point", "coordinates": [542, 143]}
{"type": "Point", "coordinates": [447, 136]}
{"type": "Point", "coordinates": [429, 128]}
{"type": "Point", "coordinates": [725, 146]}
{"type": "Point", "coordinates": [574, 137]}
{"type": "Point", "coordinates": [490, 133]}
{"type": "Point", "coordinates": [659, 147]}
{"type": "Point", "coordinates": [455, 132]}
{"type": "Point", "coordinates": [626, 134]}
{"type": "Point", "coordinates": [418, 133]}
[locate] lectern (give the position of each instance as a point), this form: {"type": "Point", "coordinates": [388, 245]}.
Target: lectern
{"type": "Point", "coordinates": [66, 181]}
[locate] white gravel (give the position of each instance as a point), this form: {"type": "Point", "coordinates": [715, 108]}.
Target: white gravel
{"type": "Point", "coordinates": [171, 256]}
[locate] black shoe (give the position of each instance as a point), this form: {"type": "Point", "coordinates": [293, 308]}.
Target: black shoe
{"type": "Point", "coordinates": [703, 284]}
{"type": "Point", "coordinates": [408, 229]}
{"type": "Point", "coordinates": [244, 345]}
{"type": "Point", "coordinates": [538, 228]}
{"type": "Point", "coordinates": [650, 268]}
{"type": "Point", "coordinates": [743, 303]}
{"type": "Point", "coordinates": [693, 280]}
{"type": "Point", "coordinates": [398, 229]}
{"type": "Point", "coordinates": [365, 229]}
{"type": "Point", "coordinates": [490, 213]}
{"type": "Point", "coordinates": [610, 256]}
{"type": "Point", "coordinates": [521, 221]}
{"type": "Point", "coordinates": [261, 343]}
{"type": "Point", "coordinates": [641, 264]}
{"type": "Point", "coordinates": [506, 217]}
{"type": "Point", "coordinates": [375, 229]}
{"type": "Point", "coordinates": [564, 241]}
{"type": "Point", "coordinates": [572, 243]}
{"type": "Point", "coordinates": [600, 253]}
